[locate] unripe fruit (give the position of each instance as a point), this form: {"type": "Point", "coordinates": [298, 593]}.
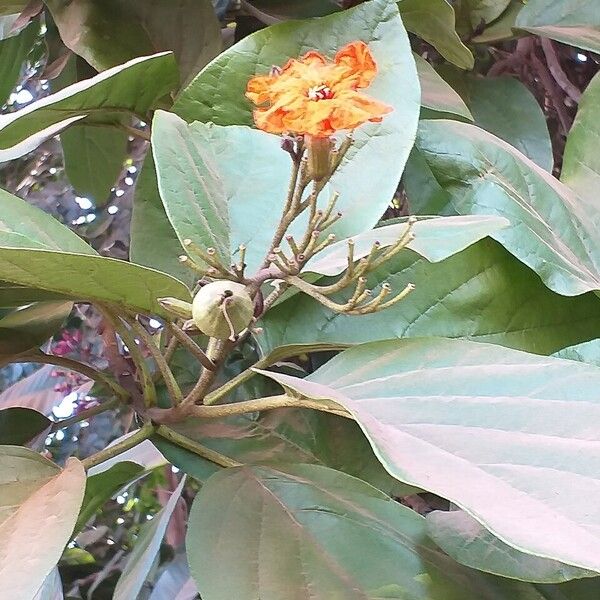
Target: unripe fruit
{"type": "Point", "coordinates": [216, 298]}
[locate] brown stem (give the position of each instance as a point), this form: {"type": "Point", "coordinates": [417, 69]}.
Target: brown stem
{"type": "Point", "coordinates": [557, 71]}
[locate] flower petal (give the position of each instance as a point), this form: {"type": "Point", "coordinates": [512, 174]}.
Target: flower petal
{"type": "Point", "coordinates": [359, 65]}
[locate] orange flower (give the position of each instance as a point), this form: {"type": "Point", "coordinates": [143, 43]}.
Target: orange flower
{"type": "Point", "coordinates": [314, 97]}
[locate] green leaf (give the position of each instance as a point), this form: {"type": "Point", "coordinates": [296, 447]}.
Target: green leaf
{"type": "Point", "coordinates": [574, 23]}
{"type": "Point", "coordinates": [40, 504]}
{"type": "Point", "coordinates": [8, 7]}
{"type": "Point", "coordinates": [282, 436]}
{"type": "Point", "coordinates": [436, 94]}
{"type": "Point", "coordinates": [435, 239]}
{"type": "Point", "coordinates": [587, 352]}
{"type": "Point", "coordinates": [300, 532]}
{"type": "Point", "coordinates": [153, 241]}
{"type": "Point", "coordinates": [144, 454]}
{"type": "Point", "coordinates": [505, 107]}
{"type": "Point", "coordinates": [13, 51]}
{"type": "Point", "coordinates": [469, 543]}
{"type": "Point", "coordinates": [521, 122]}
{"type": "Point", "coordinates": [25, 226]}
{"type": "Point", "coordinates": [581, 165]}
{"type": "Point", "coordinates": [99, 488]}
{"type": "Point", "coordinates": [552, 231]}
{"type": "Point", "coordinates": [217, 95]}
{"type": "Point", "coordinates": [482, 293]}
{"type": "Point", "coordinates": [502, 28]}
{"type": "Point", "coordinates": [273, 11]}
{"type": "Point", "coordinates": [132, 87]}
{"type": "Point", "coordinates": [13, 295]}
{"type": "Point", "coordinates": [434, 21]}
{"type": "Point", "coordinates": [52, 588]}
{"type": "Point", "coordinates": [94, 159]}
{"type": "Point", "coordinates": [145, 550]}
{"type": "Point", "coordinates": [109, 32]}
{"type": "Point", "coordinates": [517, 450]}
{"type": "Point", "coordinates": [18, 426]}
{"type": "Point", "coordinates": [29, 327]}
{"type": "Point", "coordinates": [484, 11]}
{"type": "Point", "coordinates": [195, 194]}
{"type": "Point", "coordinates": [91, 278]}
{"type": "Point", "coordinates": [175, 582]}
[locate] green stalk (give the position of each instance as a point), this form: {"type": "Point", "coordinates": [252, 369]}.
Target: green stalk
{"type": "Point", "coordinates": [129, 442]}
{"type": "Point", "coordinates": [188, 444]}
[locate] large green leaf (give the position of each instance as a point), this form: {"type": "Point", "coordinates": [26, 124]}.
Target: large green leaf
{"type": "Point", "coordinates": [217, 95]}
{"type": "Point", "coordinates": [195, 191]}
{"type": "Point", "coordinates": [132, 87]}
{"type": "Point", "coordinates": [575, 23]}
{"type": "Point", "coordinates": [13, 52]}
{"type": "Point", "coordinates": [581, 164]}
{"type": "Point", "coordinates": [483, 293]}
{"type": "Point", "coordinates": [109, 32]}
{"type": "Point", "coordinates": [436, 94]}
{"type": "Point", "coordinates": [30, 326]}
{"type": "Point", "coordinates": [91, 278]}
{"type": "Point", "coordinates": [145, 550]}
{"type": "Point", "coordinates": [552, 230]}
{"type": "Point", "coordinates": [434, 21]}
{"type": "Point", "coordinates": [38, 501]}
{"type": "Point", "coordinates": [18, 426]}
{"type": "Point", "coordinates": [153, 240]}
{"type": "Point", "coordinates": [100, 487]}
{"type": "Point", "coordinates": [507, 436]}
{"type": "Point", "coordinates": [304, 532]}
{"type": "Point", "coordinates": [25, 226]}
{"type": "Point", "coordinates": [468, 542]}
{"type": "Point", "coordinates": [505, 107]}
{"type": "Point", "coordinates": [94, 159]}
{"type": "Point", "coordinates": [282, 436]}
{"type": "Point", "coordinates": [13, 295]}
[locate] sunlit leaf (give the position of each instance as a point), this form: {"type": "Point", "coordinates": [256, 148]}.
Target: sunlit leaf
{"type": "Point", "coordinates": [39, 502]}
{"type": "Point", "coordinates": [517, 451]}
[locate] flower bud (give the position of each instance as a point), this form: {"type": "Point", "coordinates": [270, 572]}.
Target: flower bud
{"type": "Point", "coordinates": [222, 309]}
{"type": "Point", "coordinates": [178, 308]}
{"type": "Point", "coordinates": [319, 151]}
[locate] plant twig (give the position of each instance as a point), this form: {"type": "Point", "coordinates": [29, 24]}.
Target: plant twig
{"type": "Point", "coordinates": [557, 71]}
{"type": "Point", "coordinates": [188, 444]}
{"type": "Point", "coordinates": [238, 408]}
{"type": "Point", "coordinates": [129, 442]}
{"type": "Point", "coordinates": [172, 385]}
{"type": "Point", "coordinates": [186, 341]}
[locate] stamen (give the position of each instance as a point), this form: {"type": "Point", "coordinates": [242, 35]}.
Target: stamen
{"type": "Point", "coordinates": [320, 92]}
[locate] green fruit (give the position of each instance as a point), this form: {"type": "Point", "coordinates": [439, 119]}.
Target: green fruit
{"type": "Point", "coordinates": [211, 302]}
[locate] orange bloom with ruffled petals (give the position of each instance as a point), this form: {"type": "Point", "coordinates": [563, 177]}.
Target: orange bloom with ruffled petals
{"type": "Point", "coordinates": [311, 96]}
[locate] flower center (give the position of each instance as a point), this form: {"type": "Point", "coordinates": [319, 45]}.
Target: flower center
{"type": "Point", "coordinates": [320, 92]}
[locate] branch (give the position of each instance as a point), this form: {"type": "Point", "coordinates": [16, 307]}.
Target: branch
{"type": "Point", "coordinates": [238, 408]}
{"type": "Point", "coordinates": [557, 71]}
{"type": "Point", "coordinates": [188, 444]}
{"type": "Point", "coordinates": [129, 442]}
